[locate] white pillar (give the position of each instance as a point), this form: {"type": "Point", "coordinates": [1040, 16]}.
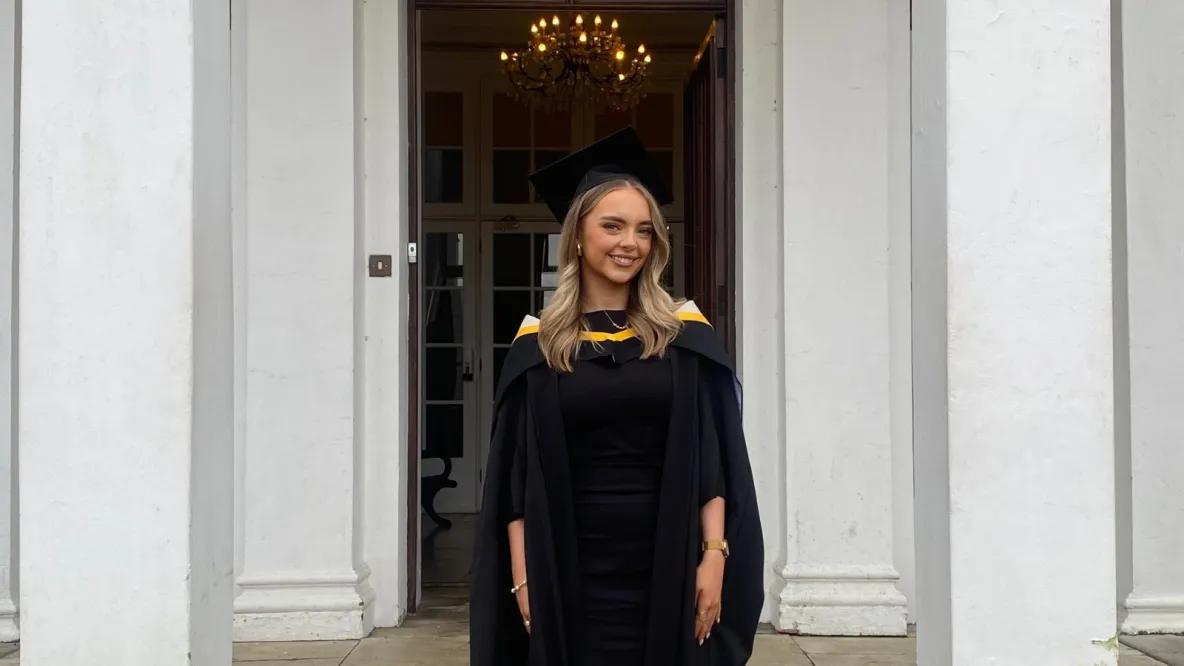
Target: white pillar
{"type": "Point", "coordinates": [1153, 54]}
{"type": "Point", "coordinates": [1016, 517]}
{"type": "Point", "coordinates": [125, 334]}
{"type": "Point", "coordinates": [900, 309]}
{"type": "Point", "coordinates": [302, 576]}
{"type": "Point", "coordinates": [9, 84]}
{"type": "Point", "coordinates": [839, 573]}
{"type": "Point", "coordinates": [386, 31]}
{"type": "Point", "coordinates": [760, 321]}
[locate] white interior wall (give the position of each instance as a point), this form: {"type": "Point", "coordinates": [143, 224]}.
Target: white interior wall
{"type": "Point", "coordinates": [9, 90]}
{"type": "Point", "coordinates": [1153, 54]}
{"type": "Point", "coordinates": [1123, 491]}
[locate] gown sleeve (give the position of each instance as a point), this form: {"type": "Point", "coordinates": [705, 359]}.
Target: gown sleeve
{"type": "Point", "coordinates": [712, 483]}
{"type": "Point", "coordinates": [513, 501]}
{"type": "Point", "coordinates": [496, 635]}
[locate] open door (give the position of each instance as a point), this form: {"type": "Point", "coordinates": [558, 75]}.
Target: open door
{"type": "Point", "coordinates": [709, 203]}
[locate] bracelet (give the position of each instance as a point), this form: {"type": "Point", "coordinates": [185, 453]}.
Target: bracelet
{"type": "Point", "coordinates": [519, 586]}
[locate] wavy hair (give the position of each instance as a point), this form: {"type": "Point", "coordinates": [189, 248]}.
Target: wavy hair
{"type": "Point", "coordinates": [651, 313]}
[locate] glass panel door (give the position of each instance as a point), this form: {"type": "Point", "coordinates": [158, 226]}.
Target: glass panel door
{"type": "Point", "coordinates": [450, 415]}
{"type": "Point", "coordinates": [519, 271]}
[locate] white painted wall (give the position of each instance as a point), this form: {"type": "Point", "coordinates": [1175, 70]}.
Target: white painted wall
{"type": "Point", "coordinates": [238, 220]}
{"type": "Point", "coordinates": [125, 409]}
{"type": "Point", "coordinates": [817, 200]}
{"type": "Point", "coordinates": [839, 569]}
{"type": "Point", "coordinates": [1013, 134]}
{"type": "Point", "coordinates": [301, 577]}
{"type": "Point", "coordinates": [385, 321]}
{"type": "Point", "coordinates": [1154, 93]}
{"type": "Point", "coordinates": [900, 336]}
{"type": "Point", "coordinates": [760, 311]}
{"type": "Point", "coordinates": [9, 59]}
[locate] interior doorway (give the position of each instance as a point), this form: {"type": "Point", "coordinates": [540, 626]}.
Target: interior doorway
{"type": "Point", "coordinates": [489, 246]}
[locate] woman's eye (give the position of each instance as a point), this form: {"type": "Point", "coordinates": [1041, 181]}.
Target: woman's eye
{"type": "Point", "coordinates": [646, 232]}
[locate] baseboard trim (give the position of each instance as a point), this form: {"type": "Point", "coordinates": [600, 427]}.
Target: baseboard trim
{"type": "Point", "coordinates": [1154, 614]}
{"type": "Point", "coordinates": [842, 601]}
{"type": "Point", "coordinates": [10, 631]}
{"type": "Point", "coordinates": [303, 607]}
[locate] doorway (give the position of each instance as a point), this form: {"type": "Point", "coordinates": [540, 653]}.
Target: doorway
{"type": "Point", "coordinates": [489, 246]}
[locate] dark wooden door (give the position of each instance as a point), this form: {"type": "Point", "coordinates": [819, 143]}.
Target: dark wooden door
{"type": "Point", "coordinates": [708, 188]}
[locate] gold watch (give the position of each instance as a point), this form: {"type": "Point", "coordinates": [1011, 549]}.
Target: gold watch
{"type": "Point", "coordinates": [721, 545]}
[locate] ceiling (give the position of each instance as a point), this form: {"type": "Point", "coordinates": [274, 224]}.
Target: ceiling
{"type": "Point", "coordinates": [659, 30]}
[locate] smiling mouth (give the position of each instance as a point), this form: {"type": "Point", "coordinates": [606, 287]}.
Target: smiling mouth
{"type": "Point", "coordinates": [622, 261]}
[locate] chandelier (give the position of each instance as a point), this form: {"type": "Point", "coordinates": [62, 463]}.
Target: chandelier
{"type": "Point", "coordinates": [559, 66]}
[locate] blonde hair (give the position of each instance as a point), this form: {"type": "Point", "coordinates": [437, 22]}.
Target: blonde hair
{"type": "Point", "coordinates": [651, 313]}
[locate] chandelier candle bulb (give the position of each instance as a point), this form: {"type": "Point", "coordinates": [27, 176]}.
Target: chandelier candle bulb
{"type": "Point", "coordinates": [572, 64]}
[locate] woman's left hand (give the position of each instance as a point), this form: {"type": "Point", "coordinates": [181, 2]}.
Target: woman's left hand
{"type": "Point", "coordinates": [709, 583]}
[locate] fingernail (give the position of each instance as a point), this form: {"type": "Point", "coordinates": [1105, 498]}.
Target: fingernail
{"type": "Point", "coordinates": [700, 641]}
{"type": "Point", "coordinates": [708, 635]}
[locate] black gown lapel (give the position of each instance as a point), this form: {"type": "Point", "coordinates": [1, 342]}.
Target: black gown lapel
{"type": "Point", "coordinates": [550, 517]}
{"type": "Point", "coordinates": [705, 439]}
{"type": "Point", "coordinates": [671, 616]}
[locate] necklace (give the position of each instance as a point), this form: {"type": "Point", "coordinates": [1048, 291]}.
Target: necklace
{"type": "Point", "coordinates": [619, 328]}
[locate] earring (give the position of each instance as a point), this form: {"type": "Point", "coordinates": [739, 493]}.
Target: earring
{"type": "Point", "coordinates": [579, 249]}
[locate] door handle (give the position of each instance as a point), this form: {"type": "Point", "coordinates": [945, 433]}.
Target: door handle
{"type": "Point", "coordinates": [466, 372]}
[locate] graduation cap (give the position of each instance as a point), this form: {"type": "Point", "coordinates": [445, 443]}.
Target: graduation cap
{"type": "Point", "coordinates": [618, 155]}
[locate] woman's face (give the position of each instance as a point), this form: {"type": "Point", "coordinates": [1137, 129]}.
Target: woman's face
{"type": "Point", "coordinates": [617, 236]}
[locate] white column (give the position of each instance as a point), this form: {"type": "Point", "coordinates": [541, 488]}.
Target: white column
{"type": "Point", "coordinates": [900, 338]}
{"type": "Point", "coordinates": [9, 84]}
{"type": "Point", "coordinates": [300, 577]}
{"type": "Point", "coordinates": [760, 321]}
{"type": "Point", "coordinates": [384, 337]}
{"type": "Point", "coordinates": [1016, 501]}
{"type": "Point", "coordinates": [839, 573]}
{"type": "Point", "coordinates": [125, 334]}
{"type": "Point", "coordinates": [1153, 54]}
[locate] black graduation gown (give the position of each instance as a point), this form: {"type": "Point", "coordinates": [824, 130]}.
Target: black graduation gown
{"type": "Point", "coordinates": [705, 434]}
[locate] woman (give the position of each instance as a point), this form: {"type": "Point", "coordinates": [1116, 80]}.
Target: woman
{"type": "Point", "coordinates": [619, 524]}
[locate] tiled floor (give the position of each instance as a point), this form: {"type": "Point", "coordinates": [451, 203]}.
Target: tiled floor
{"type": "Point", "coordinates": [438, 635]}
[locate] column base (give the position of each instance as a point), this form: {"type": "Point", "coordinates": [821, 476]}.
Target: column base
{"type": "Point", "coordinates": [10, 632]}
{"type": "Point", "coordinates": [1162, 614]}
{"type": "Point", "coordinates": [842, 601]}
{"type": "Point", "coordinates": [303, 608]}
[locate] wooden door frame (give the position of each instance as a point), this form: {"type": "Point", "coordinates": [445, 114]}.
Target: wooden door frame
{"type": "Point", "coordinates": [415, 203]}
{"type": "Point", "coordinates": [579, 5]}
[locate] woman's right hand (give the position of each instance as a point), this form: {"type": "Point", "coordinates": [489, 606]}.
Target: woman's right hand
{"type": "Point", "coordinates": [524, 607]}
